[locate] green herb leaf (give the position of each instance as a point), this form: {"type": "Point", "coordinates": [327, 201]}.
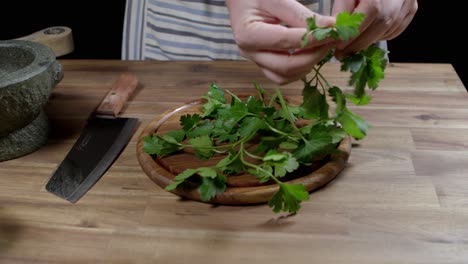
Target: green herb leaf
{"type": "Point", "coordinates": [264, 172]}
{"type": "Point", "coordinates": [189, 121]}
{"type": "Point", "coordinates": [204, 128]}
{"type": "Point", "coordinates": [211, 106]}
{"type": "Point", "coordinates": [209, 187]}
{"type": "Point", "coordinates": [203, 146]}
{"type": "Point", "coordinates": [376, 64]}
{"type": "Point", "coordinates": [250, 125]}
{"type": "Point", "coordinates": [353, 124]}
{"type": "Point", "coordinates": [216, 93]}
{"type": "Point", "coordinates": [339, 99]}
{"type": "Point", "coordinates": [288, 198]}
{"type": "Point", "coordinates": [314, 103]}
{"type": "Point", "coordinates": [322, 33]}
{"type": "Point", "coordinates": [178, 135]}
{"type": "Point", "coordinates": [345, 28]}
{"type": "Point", "coordinates": [363, 100]}
{"type": "Point", "coordinates": [282, 162]}
{"type": "Point", "coordinates": [347, 25]}
{"type": "Point", "coordinates": [207, 172]}
{"type": "Point", "coordinates": [367, 68]}
{"type": "Point", "coordinates": [288, 145]}
{"type": "Point", "coordinates": [161, 146]}
{"type": "Point", "coordinates": [317, 143]}
{"type": "Point", "coordinates": [231, 164]}
{"type": "Point", "coordinates": [180, 178]}
{"type": "Point", "coordinates": [311, 24]}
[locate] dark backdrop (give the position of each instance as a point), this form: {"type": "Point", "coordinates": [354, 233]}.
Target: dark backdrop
{"type": "Point", "coordinates": [433, 36]}
{"type": "Point", "coordinates": [437, 34]}
{"type": "Point", "coordinates": [96, 25]}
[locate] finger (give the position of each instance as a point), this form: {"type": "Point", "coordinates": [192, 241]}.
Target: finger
{"type": "Point", "coordinates": [343, 5]}
{"type": "Point", "coordinates": [372, 10]}
{"type": "Point", "coordinates": [294, 14]}
{"type": "Point", "coordinates": [406, 19]}
{"type": "Point", "coordinates": [280, 79]}
{"type": "Point", "coordinates": [274, 37]}
{"type": "Point", "coordinates": [396, 28]}
{"type": "Point", "coordinates": [397, 31]}
{"type": "Point", "coordinates": [400, 11]}
{"type": "Point", "coordinates": [371, 35]}
{"type": "Point", "coordinates": [273, 76]}
{"type": "Point", "coordinates": [287, 64]}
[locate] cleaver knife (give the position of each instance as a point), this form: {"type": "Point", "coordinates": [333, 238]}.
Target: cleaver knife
{"type": "Point", "coordinates": [99, 145]}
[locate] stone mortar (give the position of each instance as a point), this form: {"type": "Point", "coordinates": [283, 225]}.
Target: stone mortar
{"type": "Point", "coordinates": [28, 73]}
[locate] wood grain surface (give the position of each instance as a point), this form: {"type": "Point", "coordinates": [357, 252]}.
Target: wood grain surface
{"type": "Point", "coordinates": [402, 197]}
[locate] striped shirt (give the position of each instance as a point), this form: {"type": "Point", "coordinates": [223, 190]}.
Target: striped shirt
{"type": "Point", "coordinates": [184, 29]}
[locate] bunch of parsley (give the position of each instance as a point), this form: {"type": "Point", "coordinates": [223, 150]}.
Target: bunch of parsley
{"type": "Point", "coordinates": [228, 126]}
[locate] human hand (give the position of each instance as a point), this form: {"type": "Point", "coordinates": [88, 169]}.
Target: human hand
{"type": "Point", "coordinates": [259, 31]}
{"type": "Point", "coordinates": [385, 20]}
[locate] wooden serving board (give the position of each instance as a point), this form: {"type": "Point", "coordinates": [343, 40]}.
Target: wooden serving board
{"type": "Point", "coordinates": [241, 189]}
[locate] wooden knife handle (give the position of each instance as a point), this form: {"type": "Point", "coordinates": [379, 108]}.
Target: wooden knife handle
{"type": "Point", "coordinates": [117, 96]}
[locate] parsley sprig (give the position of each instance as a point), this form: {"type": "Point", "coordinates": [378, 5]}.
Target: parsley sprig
{"type": "Point", "coordinates": [227, 125]}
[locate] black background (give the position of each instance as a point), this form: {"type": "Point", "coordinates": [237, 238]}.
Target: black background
{"type": "Point", "coordinates": [435, 35]}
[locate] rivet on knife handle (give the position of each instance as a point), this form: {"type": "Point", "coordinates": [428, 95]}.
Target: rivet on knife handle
{"type": "Point", "coordinates": [117, 96]}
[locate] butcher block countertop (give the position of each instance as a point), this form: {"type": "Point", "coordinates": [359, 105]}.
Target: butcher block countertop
{"type": "Point", "coordinates": [402, 198]}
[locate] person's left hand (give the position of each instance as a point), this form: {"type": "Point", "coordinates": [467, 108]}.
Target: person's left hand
{"type": "Point", "coordinates": [385, 20]}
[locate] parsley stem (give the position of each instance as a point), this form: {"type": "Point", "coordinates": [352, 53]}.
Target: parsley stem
{"type": "Point", "coordinates": [321, 85]}
{"type": "Point", "coordinates": [248, 164]}
{"type": "Point", "coordinates": [230, 161]}
{"type": "Point", "coordinates": [323, 78]}
{"type": "Point", "coordinates": [277, 131]}
{"type": "Point", "coordinates": [261, 93]}
{"type": "Point", "coordinates": [252, 155]}
{"type": "Point", "coordinates": [276, 180]}
{"type": "Point", "coordinates": [231, 145]}
{"type": "Point", "coordinates": [288, 114]}
{"type": "Point", "coordinates": [272, 100]}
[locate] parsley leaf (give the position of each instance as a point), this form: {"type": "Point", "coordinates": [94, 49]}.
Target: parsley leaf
{"type": "Point", "coordinates": [181, 177]}
{"type": "Point", "coordinates": [216, 93]}
{"type": "Point", "coordinates": [189, 121]}
{"type": "Point", "coordinates": [231, 164]}
{"type": "Point", "coordinates": [209, 187]}
{"type": "Point", "coordinates": [282, 163]}
{"type": "Point", "coordinates": [161, 146]}
{"type": "Point", "coordinates": [314, 103]}
{"type": "Point", "coordinates": [367, 69]}
{"type": "Point", "coordinates": [353, 124]}
{"type": "Point", "coordinates": [203, 146]}
{"type": "Point", "coordinates": [347, 25]}
{"type": "Point", "coordinates": [345, 28]}
{"type": "Point", "coordinates": [288, 198]}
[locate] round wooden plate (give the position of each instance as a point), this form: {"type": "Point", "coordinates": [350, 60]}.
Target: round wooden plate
{"type": "Point", "coordinates": [241, 189]}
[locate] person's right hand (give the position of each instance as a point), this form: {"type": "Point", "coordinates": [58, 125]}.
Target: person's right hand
{"type": "Point", "coordinates": [259, 31]}
{"type": "Point", "coordinates": [385, 20]}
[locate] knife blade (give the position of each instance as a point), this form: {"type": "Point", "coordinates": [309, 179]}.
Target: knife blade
{"type": "Point", "coordinates": [103, 138]}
